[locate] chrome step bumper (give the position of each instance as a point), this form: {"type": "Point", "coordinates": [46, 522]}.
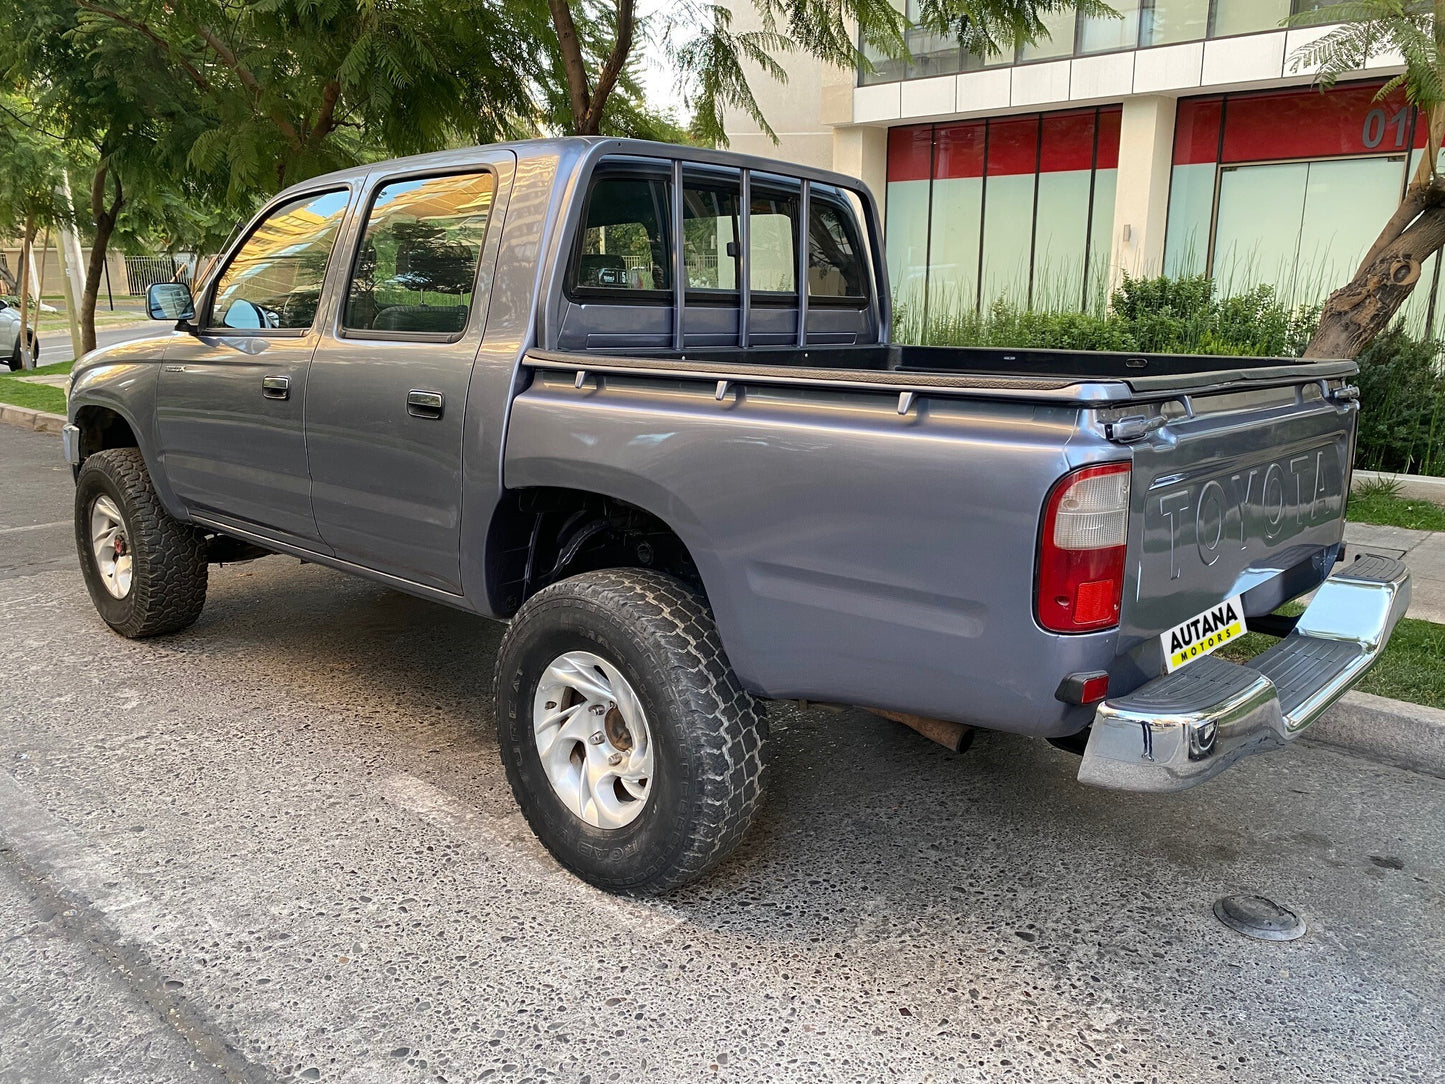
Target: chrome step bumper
{"type": "Point", "coordinates": [1188, 726]}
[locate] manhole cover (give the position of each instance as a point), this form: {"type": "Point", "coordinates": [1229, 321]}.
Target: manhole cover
{"type": "Point", "coordinates": [1255, 916]}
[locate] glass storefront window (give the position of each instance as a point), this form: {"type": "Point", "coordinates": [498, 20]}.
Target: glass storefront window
{"type": "Point", "coordinates": [1289, 189]}
{"type": "Point", "coordinates": [1059, 41]}
{"type": "Point", "coordinates": [1105, 33]}
{"type": "Point", "coordinates": [1248, 16]}
{"type": "Point", "coordinates": [983, 210]}
{"type": "Point", "coordinates": [1165, 22]}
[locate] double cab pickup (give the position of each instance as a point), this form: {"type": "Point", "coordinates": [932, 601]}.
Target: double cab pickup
{"type": "Point", "coordinates": [641, 402]}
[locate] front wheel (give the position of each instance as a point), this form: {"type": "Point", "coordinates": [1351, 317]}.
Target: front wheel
{"type": "Point", "coordinates": [635, 754]}
{"type": "Point", "coordinates": [144, 569]}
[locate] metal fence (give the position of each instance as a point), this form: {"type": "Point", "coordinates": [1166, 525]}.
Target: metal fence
{"type": "Point", "coordinates": [142, 272]}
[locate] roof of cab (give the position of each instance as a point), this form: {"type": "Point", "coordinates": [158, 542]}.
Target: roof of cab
{"type": "Point", "coordinates": [573, 148]}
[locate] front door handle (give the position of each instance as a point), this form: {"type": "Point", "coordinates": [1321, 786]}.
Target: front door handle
{"type": "Point", "coordinates": [276, 387]}
{"type": "Point", "coordinates": [424, 404]}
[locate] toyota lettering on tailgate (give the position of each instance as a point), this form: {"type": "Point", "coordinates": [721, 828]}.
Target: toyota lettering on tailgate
{"type": "Point", "coordinates": [1253, 507]}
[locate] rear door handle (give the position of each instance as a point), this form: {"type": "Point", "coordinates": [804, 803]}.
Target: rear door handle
{"type": "Point", "coordinates": [424, 404]}
{"type": "Point", "coordinates": [276, 387]}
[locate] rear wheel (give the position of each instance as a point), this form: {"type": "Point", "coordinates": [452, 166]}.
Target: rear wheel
{"type": "Point", "coordinates": [144, 569]}
{"type": "Point", "coordinates": [635, 754]}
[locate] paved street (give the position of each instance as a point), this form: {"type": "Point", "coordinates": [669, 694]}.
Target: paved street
{"type": "Point", "coordinates": [280, 846]}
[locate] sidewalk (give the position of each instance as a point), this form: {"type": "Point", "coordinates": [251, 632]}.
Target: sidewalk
{"type": "Point", "coordinates": [1423, 551]}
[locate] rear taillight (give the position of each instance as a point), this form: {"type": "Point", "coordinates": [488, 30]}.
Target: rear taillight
{"type": "Point", "coordinates": [1081, 552]}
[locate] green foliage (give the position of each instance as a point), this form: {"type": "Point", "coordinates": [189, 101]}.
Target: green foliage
{"type": "Point", "coordinates": [1372, 28]}
{"type": "Point", "coordinates": [1371, 503]}
{"type": "Point", "coordinates": [1402, 397]}
{"type": "Point", "coordinates": [714, 57]}
{"type": "Point", "coordinates": [1160, 315]}
{"type": "Point", "coordinates": [1401, 380]}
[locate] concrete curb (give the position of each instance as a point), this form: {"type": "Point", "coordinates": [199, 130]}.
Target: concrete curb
{"type": "Point", "coordinates": [1422, 487]}
{"type": "Point", "coordinates": [1405, 735]}
{"type": "Point", "coordinates": [39, 420]}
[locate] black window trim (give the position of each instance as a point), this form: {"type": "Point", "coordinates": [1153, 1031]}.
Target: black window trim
{"type": "Point", "coordinates": [575, 292]}
{"type": "Point", "coordinates": [770, 185]}
{"type": "Point", "coordinates": [371, 335]}
{"type": "Point", "coordinates": [221, 330]}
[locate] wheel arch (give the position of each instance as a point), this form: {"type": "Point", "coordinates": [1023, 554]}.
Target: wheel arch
{"type": "Point", "coordinates": [542, 534]}
{"type": "Point", "coordinates": [108, 424]}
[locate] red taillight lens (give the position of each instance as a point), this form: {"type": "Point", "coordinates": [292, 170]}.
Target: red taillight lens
{"type": "Point", "coordinates": [1081, 552]}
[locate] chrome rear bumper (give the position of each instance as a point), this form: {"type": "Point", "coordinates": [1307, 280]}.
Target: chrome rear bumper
{"type": "Point", "coordinates": [1188, 726]}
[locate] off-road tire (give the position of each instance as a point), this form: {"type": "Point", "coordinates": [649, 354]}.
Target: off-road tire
{"type": "Point", "coordinates": [709, 734]}
{"type": "Point", "coordinates": [168, 577]}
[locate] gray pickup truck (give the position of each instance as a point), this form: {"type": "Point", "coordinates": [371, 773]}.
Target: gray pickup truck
{"type": "Point", "coordinates": [640, 401]}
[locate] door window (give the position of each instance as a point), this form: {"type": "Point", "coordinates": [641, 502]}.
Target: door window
{"type": "Point", "coordinates": [274, 281]}
{"type": "Point", "coordinates": [416, 268]}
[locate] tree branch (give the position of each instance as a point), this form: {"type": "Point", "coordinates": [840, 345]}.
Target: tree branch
{"type": "Point", "coordinates": [326, 116]}
{"type": "Point", "coordinates": [573, 64]}
{"type": "Point", "coordinates": [200, 80]}
{"type": "Point", "coordinates": [612, 69]}
{"type": "Point", "coordinates": [248, 80]}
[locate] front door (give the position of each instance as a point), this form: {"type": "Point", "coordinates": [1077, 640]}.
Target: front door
{"type": "Point", "coordinates": [231, 400]}
{"type": "Point", "coordinates": [387, 395]}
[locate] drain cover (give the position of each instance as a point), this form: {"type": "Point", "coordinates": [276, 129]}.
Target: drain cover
{"type": "Point", "coordinates": [1255, 916]}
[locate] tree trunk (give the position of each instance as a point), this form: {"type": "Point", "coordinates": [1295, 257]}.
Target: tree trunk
{"type": "Point", "coordinates": [7, 277]}
{"type": "Point", "coordinates": [27, 356]}
{"type": "Point", "coordinates": [105, 219]}
{"type": "Point", "coordinates": [1364, 307]}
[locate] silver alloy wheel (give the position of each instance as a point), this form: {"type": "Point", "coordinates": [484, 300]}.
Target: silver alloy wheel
{"type": "Point", "coordinates": [111, 546]}
{"type": "Point", "coordinates": [593, 739]}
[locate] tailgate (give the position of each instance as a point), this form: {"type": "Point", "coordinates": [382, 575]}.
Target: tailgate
{"type": "Point", "coordinates": [1238, 494]}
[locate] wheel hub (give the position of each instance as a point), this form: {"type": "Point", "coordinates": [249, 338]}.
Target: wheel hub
{"type": "Point", "coordinates": [593, 739]}
{"type": "Point", "coordinates": [110, 547]}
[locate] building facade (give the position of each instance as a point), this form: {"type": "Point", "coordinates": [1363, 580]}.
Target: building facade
{"type": "Point", "coordinates": [1183, 138]}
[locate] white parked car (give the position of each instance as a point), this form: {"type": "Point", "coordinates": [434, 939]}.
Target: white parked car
{"type": "Point", "coordinates": [10, 334]}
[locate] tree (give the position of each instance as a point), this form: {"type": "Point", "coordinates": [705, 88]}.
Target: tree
{"type": "Point", "coordinates": [712, 58]}
{"type": "Point", "coordinates": [31, 161]}
{"type": "Point", "coordinates": [219, 101]}
{"type": "Point", "coordinates": [1364, 307]}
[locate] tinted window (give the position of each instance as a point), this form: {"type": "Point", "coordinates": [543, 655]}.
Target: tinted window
{"type": "Point", "coordinates": [274, 280]}
{"type": "Point", "coordinates": [417, 265]}
{"type": "Point", "coordinates": [710, 237]}
{"type": "Point", "coordinates": [835, 266]}
{"type": "Point", "coordinates": [626, 244]}
{"type": "Point", "coordinates": [773, 264]}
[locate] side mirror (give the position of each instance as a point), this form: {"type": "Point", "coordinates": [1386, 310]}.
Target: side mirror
{"type": "Point", "coordinates": [170, 301]}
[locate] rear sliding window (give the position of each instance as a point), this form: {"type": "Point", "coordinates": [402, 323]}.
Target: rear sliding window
{"type": "Point", "coordinates": [626, 243]}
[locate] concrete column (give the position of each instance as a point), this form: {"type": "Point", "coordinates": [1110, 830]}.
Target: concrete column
{"type": "Point", "coordinates": [861, 151]}
{"type": "Point", "coordinates": [1141, 201]}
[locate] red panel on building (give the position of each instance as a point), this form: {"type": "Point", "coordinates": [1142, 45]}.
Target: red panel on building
{"type": "Point", "coordinates": [910, 153]}
{"type": "Point", "coordinates": [1013, 147]}
{"type": "Point", "coordinates": [1110, 121]}
{"type": "Point", "coordinates": [1068, 142]}
{"type": "Point", "coordinates": [1196, 131]}
{"type": "Point", "coordinates": [960, 150]}
{"type": "Point", "coordinates": [1312, 124]}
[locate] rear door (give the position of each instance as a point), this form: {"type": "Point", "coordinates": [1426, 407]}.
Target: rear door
{"type": "Point", "coordinates": [230, 400]}
{"type": "Point", "coordinates": [387, 394]}
{"type": "Point", "coordinates": [1245, 497]}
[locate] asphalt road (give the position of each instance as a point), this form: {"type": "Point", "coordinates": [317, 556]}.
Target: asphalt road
{"type": "Point", "coordinates": [280, 847]}
{"type": "Point", "coordinates": [55, 344]}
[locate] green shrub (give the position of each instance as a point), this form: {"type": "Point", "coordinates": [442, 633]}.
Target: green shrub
{"type": "Point", "coordinates": [1402, 385]}
{"type": "Point", "coordinates": [1402, 405]}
